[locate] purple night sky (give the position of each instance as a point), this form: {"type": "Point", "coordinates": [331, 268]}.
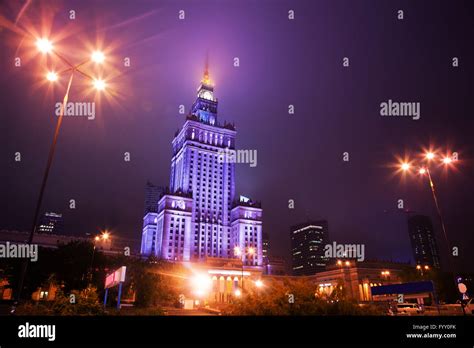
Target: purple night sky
{"type": "Point", "coordinates": [282, 62]}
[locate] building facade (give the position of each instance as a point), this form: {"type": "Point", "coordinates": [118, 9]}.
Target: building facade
{"type": "Point", "coordinates": [265, 248]}
{"type": "Point", "coordinates": [276, 265]}
{"type": "Point", "coordinates": [153, 194]}
{"type": "Point", "coordinates": [307, 247]}
{"type": "Point", "coordinates": [51, 223]}
{"type": "Point", "coordinates": [199, 216]}
{"type": "Point", "coordinates": [357, 279]}
{"type": "Point", "coordinates": [423, 241]}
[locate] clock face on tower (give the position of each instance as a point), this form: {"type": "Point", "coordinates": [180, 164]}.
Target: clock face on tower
{"type": "Point", "coordinates": [207, 95]}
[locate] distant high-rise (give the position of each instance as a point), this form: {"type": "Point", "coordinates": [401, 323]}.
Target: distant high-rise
{"type": "Point", "coordinates": [307, 247]}
{"type": "Point", "coordinates": [265, 247]}
{"type": "Point", "coordinates": [51, 223]}
{"type": "Point", "coordinates": [152, 196]}
{"type": "Point", "coordinates": [423, 241]}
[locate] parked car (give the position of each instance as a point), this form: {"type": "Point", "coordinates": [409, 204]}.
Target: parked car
{"type": "Point", "coordinates": [407, 308]}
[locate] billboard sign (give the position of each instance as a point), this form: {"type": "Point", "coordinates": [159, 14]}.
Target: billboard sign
{"type": "Point", "coordinates": [116, 277]}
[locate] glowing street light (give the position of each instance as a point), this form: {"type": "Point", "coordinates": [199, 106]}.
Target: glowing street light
{"type": "Point", "coordinates": [259, 283]}
{"type": "Point", "coordinates": [423, 169]}
{"type": "Point", "coordinates": [239, 252]}
{"type": "Point", "coordinates": [97, 238]}
{"type": "Point", "coordinates": [52, 76]}
{"type": "Point", "coordinates": [421, 268]}
{"type": "Point", "coordinates": [447, 160]}
{"type": "Point", "coordinates": [105, 235]}
{"type": "Point", "coordinates": [99, 84]}
{"type": "Point", "coordinates": [44, 45]}
{"type": "Point", "coordinates": [98, 57]}
{"type": "Point", "coordinates": [201, 284]}
{"type": "Point", "coordinates": [429, 155]}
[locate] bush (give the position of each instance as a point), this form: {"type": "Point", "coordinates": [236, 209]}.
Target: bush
{"type": "Point", "coordinates": [86, 303]}
{"type": "Point", "coordinates": [275, 300]}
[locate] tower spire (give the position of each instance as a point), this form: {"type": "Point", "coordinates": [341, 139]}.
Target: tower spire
{"type": "Point", "coordinates": [205, 106]}
{"type": "Point", "coordinates": [206, 80]}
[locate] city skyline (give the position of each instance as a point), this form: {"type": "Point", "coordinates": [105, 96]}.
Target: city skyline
{"type": "Point", "coordinates": [358, 198]}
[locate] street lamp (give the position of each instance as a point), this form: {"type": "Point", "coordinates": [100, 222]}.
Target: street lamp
{"type": "Point", "coordinates": [51, 76]}
{"type": "Point", "coordinates": [202, 284]}
{"type": "Point", "coordinates": [238, 252]}
{"type": "Point", "coordinates": [420, 268]}
{"type": "Point", "coordinates": [385, 274]}
{"type": "Point", "coordinates": [424, 169]}
{"type": "Point", "coordinates": [105, 235]}
{"type": "Point", "coordinates": [99, 84]}
{"type": "Point", "coordinates": [429, 155]}
{"type": "Point", "coordinates": [98, 57]}
{"type": "Point", "coordinates": [45, 46]}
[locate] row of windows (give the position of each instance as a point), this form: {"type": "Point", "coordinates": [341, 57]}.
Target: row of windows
{"type": "Point", "coordinates": [177, 219]}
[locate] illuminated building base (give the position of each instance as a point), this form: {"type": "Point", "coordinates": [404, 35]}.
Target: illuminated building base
{"type": "Point", "coordinates": [220, 280]}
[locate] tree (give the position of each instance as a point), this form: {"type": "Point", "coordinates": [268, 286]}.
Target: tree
{"type": "Point", "coordinates": [296, 297]}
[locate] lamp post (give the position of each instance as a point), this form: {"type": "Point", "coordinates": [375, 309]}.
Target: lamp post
{"type": "Point", "coordinates": [238, 252]}
{"type": "Point", "coordinates": [45, 46]}
{"type": "Point", "coordinates": [420, 268]}
{"type": "Point", "coordinates": [385, 274]}
{"type": "Point", "coordinates": [424, 169]}
{"type": "Point", "coordinates": [104, 236]}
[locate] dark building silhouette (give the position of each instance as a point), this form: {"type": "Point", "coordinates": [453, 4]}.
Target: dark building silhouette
{"type": "Point", "coordinates": [265, 247]}
{"type": "Point", "coordinates": [307, 247]}
{"type": "Point", "coordinates": [276, 265]}
{"type": "Point", "coordinates": [423, 241]}
{"type": "Point", "coordinates": [152, 196]}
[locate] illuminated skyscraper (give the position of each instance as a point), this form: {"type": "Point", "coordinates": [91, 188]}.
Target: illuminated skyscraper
{"type": "Point", "coordinates": [199, 217]}
{"type": "Point", "coordinates": [51, 223]}
{"type": "Point", "coordinates": [307, 247]}
{"type": "Point", "coordinates": [265, 247]}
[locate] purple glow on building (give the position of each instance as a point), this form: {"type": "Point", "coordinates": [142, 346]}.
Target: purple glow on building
{"type": "Point", "coordinates": [199, 216]}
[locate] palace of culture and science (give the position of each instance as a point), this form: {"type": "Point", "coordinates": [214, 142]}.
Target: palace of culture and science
{"type": "Point", "coordinates": [199, 217]}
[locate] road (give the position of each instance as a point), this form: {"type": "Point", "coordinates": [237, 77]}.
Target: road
{"type": "Point", "coordinates": [187, 312]}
